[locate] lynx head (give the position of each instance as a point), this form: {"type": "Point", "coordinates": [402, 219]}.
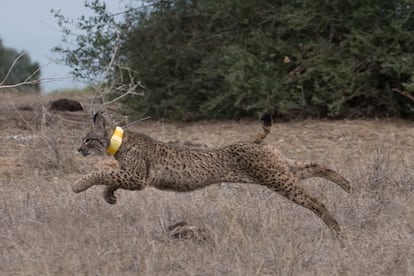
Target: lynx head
{"type": "Point", "coordinates": [97, 140]}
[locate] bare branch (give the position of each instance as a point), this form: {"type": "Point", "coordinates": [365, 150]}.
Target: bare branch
{"type": "Point", "coordinates": [123, 95]}
{"type": "Point", "coordinates": [30, 82]}
{"type": "Point", "coordinates": [114, 87]}
{"type": "Point", "coordinates": [404, 93]}
{"type": "Point", "coordinates": [114, 55]}
{"type": "Point", "coordinates": [11, 68]}
{"type": "Point", "coordinates": [116, 81]}
{"type": "Point", "coordinates": [137, 121]}
{"type": "Point", "coordinates": [33, 74]}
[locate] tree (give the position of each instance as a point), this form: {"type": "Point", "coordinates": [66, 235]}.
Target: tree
{"type": "Point", "coordinates": [18, 68]}
{"type": "Point", "coordinates": [229, 59]}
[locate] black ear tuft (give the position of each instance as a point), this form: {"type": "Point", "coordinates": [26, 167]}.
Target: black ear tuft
{"type": "Point", "coordinates": [99, 120]}
{"type": "Point", "coordinates": [95, 116]}
{"type": "Point", "coordinates": [267, 119]}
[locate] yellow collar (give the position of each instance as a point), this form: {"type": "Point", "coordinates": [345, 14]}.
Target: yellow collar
{"type": "Point", "coordinates": [116, 141]}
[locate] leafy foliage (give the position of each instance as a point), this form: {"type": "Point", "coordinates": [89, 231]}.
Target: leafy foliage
{"type": "Point", "coordinates": [23, 69]}
{"type": "Point", "coordinates": [229, 59]}
{"type": "Point", "coordinates": [94, 39]}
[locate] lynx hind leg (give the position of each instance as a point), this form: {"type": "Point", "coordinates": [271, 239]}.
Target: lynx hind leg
{"type": "Point", "coordinates": [303, 170]}
{"type": "Point", "coordinates": [278, 178]}
{"type": "Point", "coordinates": [291, 190]}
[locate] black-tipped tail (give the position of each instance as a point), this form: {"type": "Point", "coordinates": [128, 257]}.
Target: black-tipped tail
{"type": "Point", "coordinates": [267, 123]}
{"type": "Point", "coordinates": [266, 119]}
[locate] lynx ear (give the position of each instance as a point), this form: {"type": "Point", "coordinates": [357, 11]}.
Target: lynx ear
{"type": "Point", "coordinates": [99, 120]}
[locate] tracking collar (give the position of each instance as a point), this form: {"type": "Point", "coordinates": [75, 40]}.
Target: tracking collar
{"type": "Point", "coordinates": [116, 141]}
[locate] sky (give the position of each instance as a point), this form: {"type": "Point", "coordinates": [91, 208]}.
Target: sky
{"type": "Point", "coordinates": [29, 26]}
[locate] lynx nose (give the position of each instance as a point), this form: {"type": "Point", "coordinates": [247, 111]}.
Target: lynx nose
{"type": "Point", "coordinates": [82, 151]}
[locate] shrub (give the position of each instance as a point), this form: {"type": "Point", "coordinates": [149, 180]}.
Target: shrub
{"type": "Point", "coordinates": [230, 59]}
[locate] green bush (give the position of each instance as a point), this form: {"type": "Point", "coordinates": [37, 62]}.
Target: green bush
{"type": "Point", "coordinates": [230, 59]}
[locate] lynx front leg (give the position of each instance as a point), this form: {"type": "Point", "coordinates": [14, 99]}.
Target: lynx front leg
{"type": "Point", "coordinates": [303, 170]}
{"type": "Point", "coordinates": [109, 195]}
{"type": "Point", "coordinates": [109, 191]}
{"type": "Point", "coordinates": [112, 179]}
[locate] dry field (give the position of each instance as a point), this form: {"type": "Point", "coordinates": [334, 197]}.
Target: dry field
{"type": "Point", "coordinates": [46, 229]}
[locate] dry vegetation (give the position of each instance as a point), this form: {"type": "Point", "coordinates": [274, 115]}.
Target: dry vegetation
{"type": "Point", "coordinates": [234, 229]}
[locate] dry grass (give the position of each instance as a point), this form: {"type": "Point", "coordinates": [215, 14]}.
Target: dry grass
{"type": "Point", "coordinates": [239, 229]}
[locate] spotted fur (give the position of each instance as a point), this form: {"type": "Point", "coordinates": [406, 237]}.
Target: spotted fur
{"type": "Point", "coordinates": [144, 162]}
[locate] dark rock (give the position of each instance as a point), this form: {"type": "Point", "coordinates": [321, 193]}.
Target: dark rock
{"type": "Point", "coordinates": [65, 105]}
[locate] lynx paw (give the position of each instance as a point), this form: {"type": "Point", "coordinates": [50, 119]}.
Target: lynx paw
{"type": "Point", "coordinates": [79, 186]}
{"type": "Point", "coordinates": [109, 195]}
{"type": "Point", "coordinates": [110, 199]}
